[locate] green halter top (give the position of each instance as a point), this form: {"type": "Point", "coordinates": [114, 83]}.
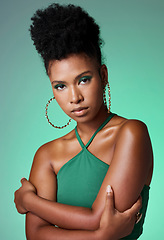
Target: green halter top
{"type": "Point", "coordinates": [79, 180]}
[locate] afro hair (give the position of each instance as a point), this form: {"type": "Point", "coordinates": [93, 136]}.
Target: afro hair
{"type": "Point", "coordinates": [60, 30]}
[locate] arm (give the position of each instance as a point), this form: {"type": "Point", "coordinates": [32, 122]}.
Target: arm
{"type": "Point", "coordinates": [44, 180]}
{"type": "Point", "coordinates": [37, 228]}
{"type": "Point", "coordinates": [111, 221]}
{"type": "Point", "coordinates": [131, 166]}
{"type": "Point", "coordinates": [133, 155]}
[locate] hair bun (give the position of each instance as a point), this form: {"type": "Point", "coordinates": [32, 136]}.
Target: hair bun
{"type": "Point", "coordinates": [60, 30]}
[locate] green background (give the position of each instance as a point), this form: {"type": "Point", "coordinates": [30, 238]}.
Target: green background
{"type": "Point", "coordinates": [133, 31]}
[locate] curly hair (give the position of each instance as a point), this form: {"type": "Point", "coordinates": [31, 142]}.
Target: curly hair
{"type": "Point", "coordinates": [61, 30]}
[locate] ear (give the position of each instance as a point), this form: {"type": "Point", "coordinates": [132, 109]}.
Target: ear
{"type": "Point", "coordinates": [104, 74]}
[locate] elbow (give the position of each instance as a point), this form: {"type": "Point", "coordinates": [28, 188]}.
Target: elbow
{"type": "Point", "coordinates": [30, 227]}
{"type": "Point", "coordinates": [30, 236]}
{"type": "Point", "coordinates": [33, 234]}
{"type": "Point", "coordinates": [33, 227]}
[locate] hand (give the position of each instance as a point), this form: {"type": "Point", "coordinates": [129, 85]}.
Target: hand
{"type": "Point", "coordinates": [23, 194]}
{"type": "Point", "coordinates": [115, 222]}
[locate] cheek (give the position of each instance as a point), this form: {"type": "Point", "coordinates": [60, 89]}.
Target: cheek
{"type": "Point", "coordinates": [97, 92]}
{"type": "Point", "coordinates": [61, 101]}
{"type": "Point", "coordinates": [95, 96]}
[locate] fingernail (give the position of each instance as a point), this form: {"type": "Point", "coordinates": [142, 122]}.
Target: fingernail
{"type": "Point", "coordinates": [108, 189]}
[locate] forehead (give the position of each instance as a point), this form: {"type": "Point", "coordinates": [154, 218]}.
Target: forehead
{"type": "Point", "coordinates": [71, 66]}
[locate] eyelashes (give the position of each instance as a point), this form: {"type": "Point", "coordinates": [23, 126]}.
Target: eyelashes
{"type": "Point", "coordinates": [59, 86]}
{"type": "Point", "coordinates": [83, 80]}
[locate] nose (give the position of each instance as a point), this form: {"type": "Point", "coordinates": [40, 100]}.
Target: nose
{"type": "Point", "coordinates": [75, 95]}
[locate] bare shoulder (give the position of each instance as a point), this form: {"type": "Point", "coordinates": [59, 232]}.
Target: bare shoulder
{"type": "Point", "coordinates": [42, 170]}
{"type": "Point", "coordinates": [131, 127]}
{"type": "Point", "coordinates": [133, 137]}
{"type": "Point", "coordinates": [53, 149]}
{"type": "Point", "coordinates": [134, 127]}
{"type": "Point", "coordinates": [133, 149]}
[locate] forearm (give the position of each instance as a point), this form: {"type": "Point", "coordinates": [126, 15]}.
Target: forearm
{"type": "Point", "coordinates": [111, 222]}
{"type": "Point", "coordinates": [49, 232]}
{"type": "Point", "coordinates": [64, 216]}
{"type": "Point", "coordinates": [54, 233]}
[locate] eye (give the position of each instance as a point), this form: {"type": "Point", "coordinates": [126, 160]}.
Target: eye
{"type": "Point", "coordinates": [59, 86]}
{"type": "Point", "coordinates": [85, 79]}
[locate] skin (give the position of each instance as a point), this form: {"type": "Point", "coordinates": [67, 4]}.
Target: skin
{"type": "Point", "coordinates": [78, 81]}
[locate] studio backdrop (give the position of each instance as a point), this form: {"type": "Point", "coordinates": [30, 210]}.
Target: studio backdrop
{"type": "Point", "coordinates": [133, 32]}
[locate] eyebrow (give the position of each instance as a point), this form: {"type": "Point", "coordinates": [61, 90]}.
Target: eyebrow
{"type": "Point", "coordinates": [77, 77]}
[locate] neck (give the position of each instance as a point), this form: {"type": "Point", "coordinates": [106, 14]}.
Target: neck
{"type": "Point", "coordinates": [88, 128]}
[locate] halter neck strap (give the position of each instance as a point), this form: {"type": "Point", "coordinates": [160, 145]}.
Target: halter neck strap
{"type": "Point", "coordinates": [91, 139]}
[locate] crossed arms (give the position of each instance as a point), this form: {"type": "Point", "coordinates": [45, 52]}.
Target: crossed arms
{"type": "Point", "coordinates": [133, 155]}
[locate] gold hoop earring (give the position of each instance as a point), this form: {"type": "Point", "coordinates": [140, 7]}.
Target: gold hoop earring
{"type": "Point", "coordinates": [108, 105]}
{"type": "Point", "coordinates": [58, 127]}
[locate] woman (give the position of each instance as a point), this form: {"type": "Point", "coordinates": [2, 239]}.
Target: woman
{"type": "Point", "coordinates": [69, 176]}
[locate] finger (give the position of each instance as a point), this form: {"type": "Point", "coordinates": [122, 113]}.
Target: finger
{"type": "Point", "coordinates": [136, 206]}
{"type": "Point", "coordinates": [109, 199]}
{"type": "Point", "coordinates": [23, 180]}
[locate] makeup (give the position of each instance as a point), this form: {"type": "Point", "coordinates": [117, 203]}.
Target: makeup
{"type": "Point", "coordinates": [85, 79]}
{"type": "Point", "coordinates": [59, 86]}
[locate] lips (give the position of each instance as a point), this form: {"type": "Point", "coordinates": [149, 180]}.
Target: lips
{"type": "Point", "coordinates": [79, 112]}
{"type": "Point", "coordinates": [79, 109]}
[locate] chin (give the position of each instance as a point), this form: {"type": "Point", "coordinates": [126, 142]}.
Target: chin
{"type": "Point", "coordinates": [85, 119]}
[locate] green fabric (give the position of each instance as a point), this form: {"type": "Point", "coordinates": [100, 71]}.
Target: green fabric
{"type": "Point", "coordinates": [80, 179]}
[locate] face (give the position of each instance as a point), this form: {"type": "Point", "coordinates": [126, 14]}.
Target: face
{"type": "Point", "coordinates": [77, 83]}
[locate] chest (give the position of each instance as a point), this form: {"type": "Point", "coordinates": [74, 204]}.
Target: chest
{"type": "Point", "coordinates": [102, 147]}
